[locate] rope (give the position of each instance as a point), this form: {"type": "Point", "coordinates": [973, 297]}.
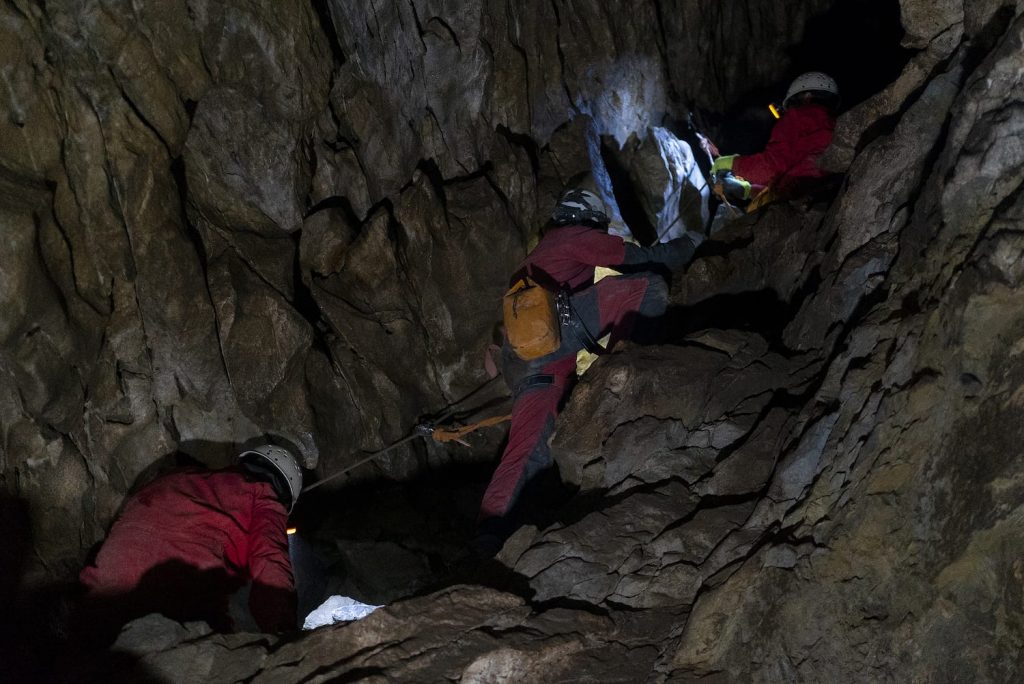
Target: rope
{"type": "Point", "coordinates": [365, 460]}
{"type": "Point", "coordinates": [456, 434]}
{"type": "Point", "coordinates": [422, 430]}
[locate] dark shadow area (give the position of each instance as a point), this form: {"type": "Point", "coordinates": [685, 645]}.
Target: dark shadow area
{"type": "Point", "coordinates": [857, 42]}
{"type": "Point", "coordinates": [761, 312]}
{"type": "Point", "coordinates": [38, 639]}
{"type": "Point", "coordinates": [388, 540]}
{"type": "Point", "coordinates": [174, 589]}
{"type": "Point", "coordinates": [323, 15]}
{"type": "Point", "coordinates": [26, 640]}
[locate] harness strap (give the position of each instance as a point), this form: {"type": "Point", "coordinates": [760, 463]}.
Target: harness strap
{"type": "Point", "coordinates": [533, 381]}
{"type": "Point", "coordinates": [576, 325]}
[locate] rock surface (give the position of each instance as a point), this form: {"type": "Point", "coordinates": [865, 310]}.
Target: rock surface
{"type": "Point", "coordinates": [230, 219]}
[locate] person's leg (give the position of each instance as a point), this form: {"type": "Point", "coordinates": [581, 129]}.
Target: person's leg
{"type": "Point", "coordinates": [527, 452]}
{"type": "Point", "coordinates": [629, 306]}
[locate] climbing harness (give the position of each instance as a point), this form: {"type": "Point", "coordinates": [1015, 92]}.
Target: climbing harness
{"type": "Point", "coordinates": [427, 428]}
{"type": "Point", "coordinates": [574, 323]}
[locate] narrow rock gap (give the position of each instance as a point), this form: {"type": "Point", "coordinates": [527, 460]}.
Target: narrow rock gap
{"type": "Point", "coordinates": [383, 540]}
{"type": "Point", "coordinates": [857, 42]}
{"type": "Point", "coordinates": [561, 56]}
{"type": "Point", "coordinates": [181, 181]}
{"type": "Point", "coordinates": [626, 195]}
{"type": "Point", "coordinates": [526, 143]}
{"type": "Point", "coordinates": [447, 29]}
{"type": "Point", "coordinates": [138, 112]}
{"type": "Point", "coordinates": [323, 11]}
{"type": "Point", "coordinates": [759, 311]}
{"type": "Point", "coordinates": [304, 303]}
{"type": "Point", "coordinates": [336, 202]}
{"type": "Point", "coordinates": [419, 25]}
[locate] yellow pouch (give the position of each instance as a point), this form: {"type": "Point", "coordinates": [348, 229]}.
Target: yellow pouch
{"type": "Point", "coordinates": [531, 320]}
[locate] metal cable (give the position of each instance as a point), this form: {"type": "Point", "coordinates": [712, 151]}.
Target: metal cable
{"type": "Point", "coordinates": [421, 430]}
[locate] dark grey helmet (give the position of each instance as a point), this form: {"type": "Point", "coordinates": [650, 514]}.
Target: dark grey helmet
{"type": "Point", "coordinates": [282, 462]}
{"type": "Point", "coordinates": [579, 206]}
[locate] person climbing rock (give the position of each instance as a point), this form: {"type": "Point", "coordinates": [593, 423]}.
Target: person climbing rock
{"type": "Point", "coordinates": [561, 267]}
{"type": "Point", "coordinates": [788, 164]}
{"type": "Point", "coordinates": [188, 540]}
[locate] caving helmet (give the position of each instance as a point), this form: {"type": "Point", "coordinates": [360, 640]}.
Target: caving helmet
{"type": "Point", "coordinates": [814, 82]}
{"type": "Point", "coordinates": [280, 465]}
{"type": "Point", "coordinates": [579, 206]}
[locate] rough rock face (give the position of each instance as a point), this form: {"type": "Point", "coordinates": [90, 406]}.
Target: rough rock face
{"type": "Point", "coordinates": [233, 219]}
{"type": "Point", "coordinates": [228, 219]}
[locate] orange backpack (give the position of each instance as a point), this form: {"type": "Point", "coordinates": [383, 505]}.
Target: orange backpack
{"type": "Point", "coordinates": [531, 319]}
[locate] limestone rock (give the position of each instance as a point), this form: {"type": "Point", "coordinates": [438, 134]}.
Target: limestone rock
{"type": "Point", "coordinates": [233, 141]}
{"type": "Point", "coordinates": [674, 193]}
{"type": "Point", "coordinates": [227, 219]}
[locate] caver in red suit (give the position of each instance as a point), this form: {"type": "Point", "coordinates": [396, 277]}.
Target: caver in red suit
{"type": "Point", "coordinates": [184, 543]}
{"type": "Point", "coordinates": [790, 158]}
{"type": "Point", "coordinates": [623, 306]}
{"type": "Point", "coordinates": [788, 164]}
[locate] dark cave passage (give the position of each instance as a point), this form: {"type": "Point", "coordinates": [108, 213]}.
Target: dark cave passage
{"type": "Point", "coordinates": [857, 42]}
{"type": "Point", "coordinates": [383, 541]}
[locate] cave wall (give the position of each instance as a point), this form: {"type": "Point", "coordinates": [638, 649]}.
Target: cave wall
{"type": "Point", "coordinates": [820, 480]}
{"type": "Point", "coordinates": [228, 219]}
{"type": "Point", "coordinates": [232, 219]}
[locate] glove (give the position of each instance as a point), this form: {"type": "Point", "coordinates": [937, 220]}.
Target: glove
{"type": "Point", "coordinates": [735, 188]}
{"type": "Point", "coordinates": [723, 164]}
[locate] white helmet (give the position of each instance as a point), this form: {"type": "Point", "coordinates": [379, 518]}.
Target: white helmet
{"type": "Point", "coordinates": [579, 206]}
{"type": "Point", "coordinates": [812, 81]}
{"type": "Point", "coordinates": [282, 461]}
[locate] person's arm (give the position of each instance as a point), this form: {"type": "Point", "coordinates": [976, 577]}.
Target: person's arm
{"type": "Point", "coordinates": [673, 255]}
{"type": "Point", "coordinates": [272, 599]}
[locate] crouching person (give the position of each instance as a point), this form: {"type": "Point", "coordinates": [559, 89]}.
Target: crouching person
{"type": "Point", "coordinates": [187, 541]}
{"type": "Point", "coordinates": [557, 279]}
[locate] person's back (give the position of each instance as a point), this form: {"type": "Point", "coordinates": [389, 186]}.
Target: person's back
{"type": "Point", "coordinates": [184, 543]}
{"type": "Point", "coordinates": [568, 255]}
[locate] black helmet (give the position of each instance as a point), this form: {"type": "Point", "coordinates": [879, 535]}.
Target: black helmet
{"type": "Point", "coordinates": [579, 206]}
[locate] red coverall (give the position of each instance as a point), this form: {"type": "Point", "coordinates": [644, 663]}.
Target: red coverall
{"type": "Point", "coordinates": [790, 158]}
{"type": "Point", "coordinates": [188, 540]}
{"type": "Point", "coordinates": [568, 256]}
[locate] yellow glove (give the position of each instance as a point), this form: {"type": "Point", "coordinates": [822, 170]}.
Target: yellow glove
{"type": "Point", "coordinates": [735, 188]}
{"type": "Point", "coordinates": [723, 164]}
